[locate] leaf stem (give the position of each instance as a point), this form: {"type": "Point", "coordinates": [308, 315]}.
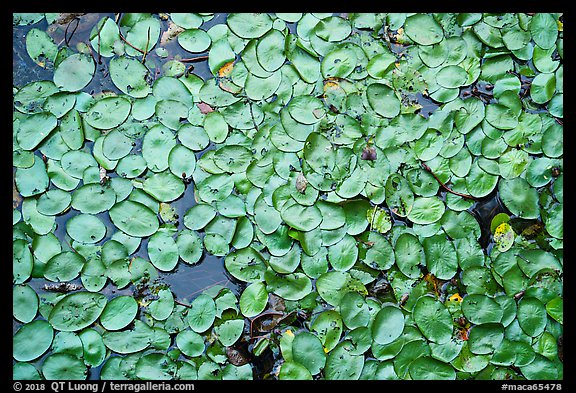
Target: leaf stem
{"type": "Point", "coordinates": [444, 186]}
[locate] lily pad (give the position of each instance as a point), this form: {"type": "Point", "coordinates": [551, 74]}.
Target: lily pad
{"type": "Point", "coordinates": [77, 311]}
{"type": "Point", "coordinates": [202, 313]}
{"type": "Point", "coordinates": [519, 198]}
{"type": "Point", "coordinates": [133, 218]}
{"type": "Point", "coordinates": [32, 340]}
{"type": "Point", "coordinates": [307, 350]}
{"type": "Point", "coordinates": [119, 312]}
{"type": "Point", "coordinates": [75, 72]}
{"type": "Point", "coordinates": [86, 228]}
{"type": "Point", "coordinates": [388, 325]}
{"type": "Point", "coordinates": [426, 210]}
{"type": "Point", "coordinates": [249, 25]}
{"type": "Point", "coordinates": [433, 319]}
{"type": "Point", "coordinates": [108, 113]}
{"type": "Point", "coordinates": [64, 366]}
{"type": "Point", "coordinates": [423, 29]}
{"type": "Point", "coordinates": [129, 75]}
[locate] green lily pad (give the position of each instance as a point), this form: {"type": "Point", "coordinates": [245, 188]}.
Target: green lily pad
{"type": "Point", "coordinates": [269, 50]}
{"type": "Point", "coordinates": [293, 371]}
{"type": "Point", "coordinates": [133, 218]}
{"type": "Point", "coordinates": [41, 48]}
{"type": "Point", "coordinates": [229, 331]}
{"type": "Point", "coordinates": [543, 88]}
{"type": "Point", "coordinates": [119, 312]}
{"type": "Point", "coordinates": [433, 319]}
{"type": "Point", "coordinates": [194, 40]}
{"type": "Point", "coordinates": [190, 343]}
{"type": "Point", "coordinates": [64, 266]}
{"type": "Point", "coordinates": [354, 310]}
{"type": "Point", "coordinates": [253, 299]}
{"type": "Point", "coordinates": [32, 340]}
{"type": "Point", "coordinates": [383, 100]}
{"type": "Point", "coordinates": [33, 181]}
{"type": "Point", "coordinates": [423, 29]}
{"type": "Point", "coordinates": [344, 254]}
{"type": "Point", "coordinates": [109, 112]}
{"type": "Point", "coordinates": [306, 109]}
{"type": "Point", "coordinates": [94, 350]}
{"type": "Point", "coordinates": [249, 25]}
{"type": "Point", "coordinates": [215, 188]}
{"type": "Point", "coordinates": [388, 325]}
{"type": "Point", "coordinates": [540, 369]}
{"type": "Point", "coordinates": [451, 76]}
{"type": "Point", "coordinates": [86, 228]}
{"type": "Point", "coordinates": [161, 308]}
{"type": "Point", "coordinates": [202, 313]}
{"type": "Point", "coordinates": [34, 129]}
{"type": "Point", "coordinates": [333, 285]}
{"type": "Point", "coordinates": [544, 30]}
{"type": "Point", "coordinates": [164, 187]}
{"type": "Point", "coordinates": [293, 286]}
{"type": "Point", "coordinates": [302, 218]}
{"type": "Point", "coordinates": [481, 309]}
{"type": "Point", "coordinates": [341, 365]}
{"type": "Point", "coordinates": [24, 303]}
{"type": "Point", "coordinates": [103, 37]}
{"type": "Point", "coordinates": [409, 255]}
{"type": "Point", "coordinates": [486, 338]}
{"type": "Point", "coordinates": [328, 327]}
{"type": "Point", "coordinates": [426, 210]}
{"type": "Point", "coordinates": [428, 368]}
{"type": "Point", "coordinates": [519, 198]}
{"type": "Point", "coordinates": [555, 308]}
{"type": "Point", "coordinates": [245, 265]}
{"type": "Point", "coordinates": [59, 366]}
{"type": "Point", "coordinates": [77, 311]}
{"type": "Point", "coordinates": [163, 251]}
{"type": "Point", "coordinates": [93, 198]}
{"type": "Point", "coordinates": [75, 72]}
{"type": "Point", "coordinates": [307, 350]}
{"type": "Point", "coordinates": [532, 316]}
{"type": "Point", "coordinates": [129, 76]}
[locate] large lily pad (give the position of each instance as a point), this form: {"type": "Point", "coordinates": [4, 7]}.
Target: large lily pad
{"type": "Point", "coordinates": [77, 311]}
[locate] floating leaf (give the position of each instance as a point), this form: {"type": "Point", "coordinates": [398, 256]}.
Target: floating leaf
{"type": "Point", "coordinates": [134, 218]}
{"type": "Point", "coordinates": [245, 25]}
{"type": "Point", "coordinates": [519, 197]}
{"type": "Point", "coordinates": [426, 210]}
{"type": "Point", "coordinates": [86, 228]}
{"type": "Point", "coordinates": [64, 366]}
{"type": "Point", "coordinates": [32, 340]}
{"type": "Point", "coordinates": [307, 350]}
{"type": "Point", "coordinates": [532, 316]}
{"type": "Point", "coordinates": [423, 29]}
{"type": "Point", "coordinates": [433, 319]}
{"type": "Point", "coordinates": [77, 311]}
{"type": "Point", "coordinates": [119, 313]}
{"type": "Point", "coordinates": [108, 113]}
{"type": "Point", "coordinates": [388, 325]}
{"type": "Point", "coordinates": [129, 75]}
{"type": "Point", "coordinates": [75, 72]}
{"type": "Point", "coordinates": [427, 368]}
{"type": "Point", "coordinates": [202, 313]}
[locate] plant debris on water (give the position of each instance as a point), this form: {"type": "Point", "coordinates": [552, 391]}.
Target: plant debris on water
{"type": "Point", "coordinates": [383, 194]}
